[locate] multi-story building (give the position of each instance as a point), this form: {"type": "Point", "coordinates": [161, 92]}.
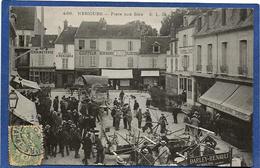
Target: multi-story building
{"type": "Point", "coordinates": [64, 56]}
{"type": "Point", "coordinates": [223, 59]}
{"type": "Point", "coordinates": [42, 60]}
{"type": "Point", "coordinates": [12, 42]}
{"type": "Point", "coordinates": [152, 60]}
{"type": "Point", "coordinates": [107, 50]}
{"type": "Point", "coordinates": [27, 26]}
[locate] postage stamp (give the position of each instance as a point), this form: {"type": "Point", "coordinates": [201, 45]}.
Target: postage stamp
{"type": "Point", "coordinates": [25, 145]}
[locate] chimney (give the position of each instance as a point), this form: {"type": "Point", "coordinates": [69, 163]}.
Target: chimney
{"type": "Point", "coordinates": [59, 30]}
{"type": "Point", "coordinates": [65, 25]}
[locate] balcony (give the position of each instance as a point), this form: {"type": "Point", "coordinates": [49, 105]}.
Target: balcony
{"type": "Point", "coordinates": [209, 68]}
{"type": "Point", "coordinates": [224, 69]}
{"type": "Point", "coordinates": [242, 70]}
{"type": "Point", "coordinates": [198, 68]}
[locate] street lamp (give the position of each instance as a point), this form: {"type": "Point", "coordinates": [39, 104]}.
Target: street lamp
{"type": "Point", "coordinates": [13, 99]}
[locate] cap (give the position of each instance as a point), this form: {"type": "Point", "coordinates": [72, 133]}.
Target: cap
{"type": "Point", "coordinates": [163, 142]}
{"type": "Point", "coordinates": [145, 151]}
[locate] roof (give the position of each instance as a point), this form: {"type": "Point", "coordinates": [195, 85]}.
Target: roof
{"type": "Point", "coordinates": [67, 36]}
{"type": "Point", "coordinates": [103, 30]}
{"type": "Point", "coordinates": [25, 17]}
{"type": "Point", "coordinates": [148, 41]}
{"type": "Point", "coordinates": [233, 22]}
{"type": "Point", "coordinates": [48, 41]}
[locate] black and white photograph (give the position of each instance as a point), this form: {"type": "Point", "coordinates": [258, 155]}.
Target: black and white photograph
{"type": "Point", "coordinates": [141, 86]}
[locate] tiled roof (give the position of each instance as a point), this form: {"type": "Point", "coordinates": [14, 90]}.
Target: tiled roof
{"type": "Point", "coordinates": [233, 21]}
{"type": "Point", "coordinates": [67, 36]}
{"type": "Point", "coordinates": [25, 17]}
{"type": "Point", "coordinates": [101, 30]}
{"type": "Point", "coordinates": [148, 42]}
{"type": "Point", "coordinates": [48, 41]}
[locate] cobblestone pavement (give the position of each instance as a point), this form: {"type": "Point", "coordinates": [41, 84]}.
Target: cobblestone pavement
{"type": "Point", "coordinates": [141, 98]}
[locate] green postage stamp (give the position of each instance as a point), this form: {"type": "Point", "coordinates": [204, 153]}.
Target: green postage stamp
{"type": "Point", "coordinates": [25, 145]}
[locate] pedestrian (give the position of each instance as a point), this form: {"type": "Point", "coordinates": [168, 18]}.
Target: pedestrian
{"type": "Point", "coordinates": [175, 111]}
{"type": "Point", "coordinates": [186, 120]}
{"type": "Point", "coordinates": [116, 103]}
{"type": "Point", "coordinates": [146, 158]}
{"type": "Point", "coordinates": [163, 122]}
{"type": "Point", "coordinates": [61, 139]}
{"type": "Point", "coordinates": [87, 147]}
{"type": "Point", "coordinates": [124, 111]}
{"type": "Point", "coordinates": [93, 140]}
{"type": "Point", "coordinates": [164, 153]}
{"type": "Point", "coordinates": [53, 141]}
{"type": "Point", "coordinates": [136, 106]}
{"type": "Point", "coordinates": [113, 113]}
{"type": "Point", "coordinates": [129, 117]}
{"type": "Point", "coordinates": [195, 122]}
{"type": "Point", "coordinates": [100, 151]}
{"type": "Point", "coordinates": [148, 121]}
{"type": "Point", "coordinates": [46, 141]}
{"type": "Point", "coordinates": [121, 96]}
{"type": "Point", "coordinates": [118, 117]}
{"type": "Point", "coordinates": [76, 140]}
{"type": "Point", "coordinates": [208, 150]}
{"type": "Point", "coordinates": [56, 103]}
{"type": "Point", "coordinates": [139, 117]}
{"type": "Point", "coordinates": [75, 117]}
{"type": "Point", "coordinates": [145, 146]}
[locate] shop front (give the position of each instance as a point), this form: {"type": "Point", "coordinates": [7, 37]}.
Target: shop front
{"type": "Point", "coordinates": [150, 78]}
{"type": "Point", "coordinates": [118, 79]}
{"type": "Point", "coordinates": [234, 104]}
{"type": "Point", "coordinates": [64, 78]}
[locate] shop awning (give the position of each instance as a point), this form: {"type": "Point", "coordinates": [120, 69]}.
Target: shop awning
{"type": "Point", "coordinates": [150, 73]}
{"type": "Point", "coordinates": [25, 109]}
{"type": "Point", "coordinates": [93, 79]}
{"type": "Point", "coordinates": [218, 93]}
{"type": "Point", "coordinates": [117, 74]}
{"type": "Point", "coordinates": [26, 83]}
{"type": "Point", "coordinates": [240, 104]}
{"type": "Point", "coordinates": [233, 99]}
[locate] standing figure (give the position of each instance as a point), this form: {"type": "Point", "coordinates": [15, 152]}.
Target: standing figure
{"type": "Point", "coordinates": [121, 96]}
{"type": "Point", "coordinates": [56, 103]}
{"type": "Point", "coordinates": [100, 151]}
{"type": "Point", "coordinates": [148, 121]}
{"type": "Point", "coordinates": [195, 122]}
{"type": "Point", "coordinates": [113, 113]}
{"type": "Point", "coordinates": [164, 153]}
{"type": "Point", "coordinates": [76, 140]}
{"type": "Point", "coordinates": [118, 117]}
{"type": "Point", "coordinates": [124, 111]}
{"type": "Point", "coordinates": [146, 159]}
{"type": "Point", "coordinates": [87, 147]}
{"type": "Point", "coordinates": [46, 141]}
{"type": "Point", "coordinates": [163, 122]}
{"type": "Point", "coordinates": [139, 117]}
{"type": "Point", "coordinates": [129, 117]}
{"type": "Point", "coordinates": [136, 106]}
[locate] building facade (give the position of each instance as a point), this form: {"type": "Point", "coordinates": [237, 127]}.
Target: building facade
{"type": "Point", "coordinates": [64, 56]}
{"type": "Point", "coordinates": [42, 60]}
{"type": "Point", "coordinates": [27, 26]}
{"type": "Point", "coordinates": [223, 59]}
{"type": "Point", "coordinates": [152, 60]}
{"type": "Point", "coordinates": [107, 50]}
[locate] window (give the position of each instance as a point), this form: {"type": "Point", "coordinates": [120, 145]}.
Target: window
{"type": "Point", "coordinates": [175, 47]}
{"type": "Point", "coordinates": [81, 44]}
{"type": "Point", "coordinates": [156, 49]}
{"type": "Point", "coordinates": [223, 17]}
{"type": "Point", "coordinates": [171, 64]}
{"type": "Point", "coordinates": [92, 60]}
{"type": "Point", "coordinates": [189, 85]}
{"type": "Point", "coordinates": [185, 40]}
{"type": "Point", "coordinates": [154, 62]}
{"type": "Point", "coordinates": [81, 60]}
{"type": "Point", "coordinates": [21, 40]}
{"type": "Point", "coordinates": [130, 45]}
{"type": "Point", "coordinates": [185, 62]}
{"type": "Point", "coordinates": [41, 59]}
{"type": "Point", "coordinates": [243, 14]}
{"type": "Point", "coordinates": [130, 62]}
{"type": "Point", "coordinates": [185, 21]}
{"type": "Point", "coordinates": [209, 54]}
{"type": "Point", "coordinates": [171, 46]}
{"type": "Point", "coordinates": [65, 48]}
{"type": "Point", "coordinates": [183, 83]}
{"type": "Point", "coordinates": [199, 23]}
{"type": "Point", "coordinates": [224, 53]}
{"type": "Point", "coordinates": [109, 61]}
{"type": "Point", "coordinates": [243, 53]}
{"type": "Point", "coordinates": [176, 64]}
{"type": "Point", "coordinates": [93, 44]}
{"type": "Point", "coordinates": [64, 63]}
{"type": "Point", "coordinates": [199, 55]}
{"type": "Point", "coordinates": [28, 40]}
{"type": "Point", "coordinates": [109, 45]}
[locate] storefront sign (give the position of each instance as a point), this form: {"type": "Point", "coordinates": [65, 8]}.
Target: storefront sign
{"type": "Point", "coordinates": [41, 52]}
{"type": "Point", "coordinates": [211, 160]}
{"type": "Point", "coordinates": [120, 53]}
{"type": "Point", "coordinates": [186, 50]}
{"type": "Point", "coordinates": [88, 52]}
{"type": "Point", "coordinates": [64, 55]}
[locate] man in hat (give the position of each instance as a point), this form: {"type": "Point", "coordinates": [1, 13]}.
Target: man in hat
{"type": "Point", "coordinates": [164, 153]}
{"type": "Point", "coordinates": [87, 147]}
{"type": "Point", "coordinates": [56, 103]}
{"type": "Point", "coordinates": [113, 113]}
{"type": "Point", "coordinates": [124, 111]}
{"type": "Point", "coordinates": [118, 117]}
{"type": "Point", "coordinates": [100, 151]}
{"type": "Point", "coordinates": [163, 122]}
{"type": "Point", "coordinates": [116, 103]}
{"type": "Point", "coordinates": [46, 141]}
{"type": "Point", "coordinates": [76, 140]}
{"type": "Point", "coordinates": [195, 122]}
{"type": "Point", "coordinates": [139, 117]}
{"type": "Point", "coordinates": [121, 96]}
{"type": "Point", "coordinates": [148, 121]}
{"type": "Point", "coordinates": [129, 117]}
{"type": "Point", "coordinates": [146, 158]}
{"type": "Point", "coordinates": [136, 106]}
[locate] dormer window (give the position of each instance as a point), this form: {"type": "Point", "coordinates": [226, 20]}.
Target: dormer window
{"type": "Point", "coordinates": [199, 23]}
{"type": "Point", "coordinates": [156, 47]}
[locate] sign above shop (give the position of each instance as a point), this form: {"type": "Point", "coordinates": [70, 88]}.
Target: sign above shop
{"type": "Point", "coordinates": [64, 55]}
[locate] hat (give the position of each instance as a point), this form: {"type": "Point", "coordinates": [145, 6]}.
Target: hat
{"type": "Point", "coordinates": [163, 142]}
{"type": "Point", "coordinates": [196, 112]}
{"type": "Point", "coordinates": [145, 151]}
{"type": "Point", "coordinates": [47, 126]}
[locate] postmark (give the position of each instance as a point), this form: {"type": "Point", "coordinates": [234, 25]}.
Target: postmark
{"type": "Point", "coordinates": [25, 145]}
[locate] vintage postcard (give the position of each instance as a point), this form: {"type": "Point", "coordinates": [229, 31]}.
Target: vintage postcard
{"type": "Point", "coordinates": [156, 86]}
